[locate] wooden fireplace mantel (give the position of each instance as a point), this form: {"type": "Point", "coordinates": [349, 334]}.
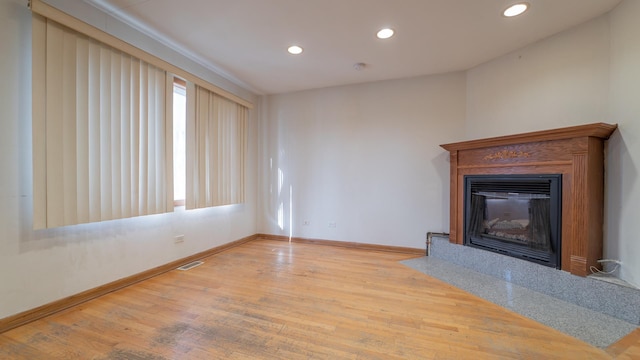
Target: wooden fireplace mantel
{"type": "Point", "coordinates": [576, 152]}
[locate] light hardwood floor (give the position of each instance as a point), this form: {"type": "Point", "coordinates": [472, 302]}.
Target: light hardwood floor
{"type": "Point", "coordinates": [274, 300]}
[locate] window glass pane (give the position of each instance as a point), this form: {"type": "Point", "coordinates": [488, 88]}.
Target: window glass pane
{"type": "Point", "coordinates": [179, 138]}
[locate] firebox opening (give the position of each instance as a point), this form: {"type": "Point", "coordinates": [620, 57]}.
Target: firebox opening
{"type": "Point", "coordinates": [515, 215]}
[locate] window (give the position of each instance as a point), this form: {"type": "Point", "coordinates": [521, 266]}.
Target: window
{"type": "Point", "coordinates": [103, 129]}
{"type": "Point", "coordinates": [179, 141]}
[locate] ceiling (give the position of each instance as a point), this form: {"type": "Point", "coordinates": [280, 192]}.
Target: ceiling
{"type": "Point", "coordinates": [246, 40]}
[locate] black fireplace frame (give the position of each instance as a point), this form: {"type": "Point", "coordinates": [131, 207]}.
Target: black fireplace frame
{"type": "Point", "coordinates": [514, 183]}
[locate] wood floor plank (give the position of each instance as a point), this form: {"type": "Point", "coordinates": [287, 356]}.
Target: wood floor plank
{"type": "Point", "coordinates": [628, 347]}
{"type": "Point", "coordinates": [271, 299]}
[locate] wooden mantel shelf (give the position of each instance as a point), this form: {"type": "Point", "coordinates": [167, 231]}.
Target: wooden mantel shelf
{"type": "Point", "coordinates": [576, 152]}
{"type": "Point", "coordinates": [598, 130]}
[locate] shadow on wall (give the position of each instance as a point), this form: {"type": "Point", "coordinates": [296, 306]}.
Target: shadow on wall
{"type": "Point", "coordinates": [618, 166]}
{"type": "Point", "coordinates": [442, 165]}
{"type": "Point", "coordinates": [159, 227]}
{"type": "Point", "coordinates": [44, 239]}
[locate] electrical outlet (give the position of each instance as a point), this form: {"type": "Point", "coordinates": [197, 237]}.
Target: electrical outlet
{"type": "Point", "coordinates": [178, 239]}
{"type": "Point", "coordinates": [306, 223]}
{"type": "Point", "coordinates": [332, 224]}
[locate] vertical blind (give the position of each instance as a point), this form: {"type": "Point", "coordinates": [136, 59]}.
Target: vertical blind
{"type": "Point", "coordinates": [102, 128]}
{"type": "Point", "coordinates": [216, 147]}
{"type": "Point", "coordinates": [102, 131]}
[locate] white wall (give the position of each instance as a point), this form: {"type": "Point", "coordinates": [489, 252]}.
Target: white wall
{"type": "Point", "coordinates": [584, 75]}
{"type": "Point", "coordinates": [365, 157]}
{"type": "Point", "coordinates": [37, 267]}
{"type": "Point", "coordinates": [622, 209]}
{"type": "Point", "coordinates": [561, 81]}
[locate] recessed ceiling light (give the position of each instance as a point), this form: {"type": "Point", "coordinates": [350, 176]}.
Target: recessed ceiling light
{"type": "Point", "coordinates": [294, 50]}
{"type": "Point", "coordinates": [515, 9]}
{"type": "Point", "coordinates": [385, 33]}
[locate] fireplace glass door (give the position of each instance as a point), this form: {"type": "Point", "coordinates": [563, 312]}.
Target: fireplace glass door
{"type": "Point", "coordinates": [516, 215]}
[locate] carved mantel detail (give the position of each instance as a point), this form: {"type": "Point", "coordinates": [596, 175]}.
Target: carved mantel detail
{"type": "Point", "coordinates": [576, 152]}
{"type": "Point", "coordinates": [506, 154]}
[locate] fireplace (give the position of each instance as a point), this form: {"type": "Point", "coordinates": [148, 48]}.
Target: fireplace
{"type": "Point", "coordinates": [515, 215]}
{"type": "Point", "coordinates": [575, 153]}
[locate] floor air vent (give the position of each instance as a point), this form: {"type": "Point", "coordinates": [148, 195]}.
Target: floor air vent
{"type": "Point", "coordinates": [190, 265]}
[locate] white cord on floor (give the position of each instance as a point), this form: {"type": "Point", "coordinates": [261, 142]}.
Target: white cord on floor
{"type": "Point", "coordinates": [595, 270]}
